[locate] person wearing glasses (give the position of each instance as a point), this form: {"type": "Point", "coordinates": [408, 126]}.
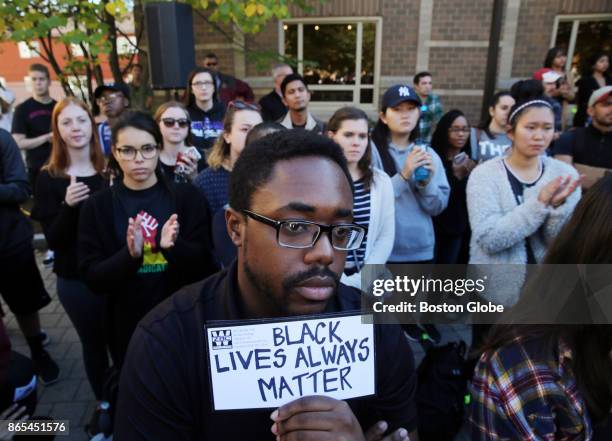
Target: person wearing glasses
{"type": "Point", "coordinates": [179, 159]}
{"type": "Point", "coordinates": [205, 110]}
{"type": "Point", "coordinates": [451, 141]}
{"type": "Point", "coordinates": [292, 219]}
{"type": "Point", "coordinates": [141, 239]}
{"type": "Point", "coordinates": [214, 181]}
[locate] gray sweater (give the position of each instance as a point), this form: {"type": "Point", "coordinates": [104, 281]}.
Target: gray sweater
{"type": "Point", "coordinates": [501, 227]}
{"type": "Point", "coordinates": [414, 207]}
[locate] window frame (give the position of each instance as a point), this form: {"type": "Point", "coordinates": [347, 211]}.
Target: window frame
{"type": "Point", "coordinates": [575, 19]}
{"type": "Point", "coordinates": [355, 88]}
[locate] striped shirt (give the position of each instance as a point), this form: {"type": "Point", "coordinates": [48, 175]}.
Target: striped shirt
{"type": "Point", "coordinates": [361, 210]}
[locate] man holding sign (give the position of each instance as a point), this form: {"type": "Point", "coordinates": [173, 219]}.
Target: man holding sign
{"type": "Point", "coordinates": [322, 376]}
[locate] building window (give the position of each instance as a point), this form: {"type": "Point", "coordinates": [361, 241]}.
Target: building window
{"type": "Point", "coordinates": [28, 50]}
{"type": "Point", "coordinates": [582, 36]}
{"type": "Point", "coordinates": [337, 57]}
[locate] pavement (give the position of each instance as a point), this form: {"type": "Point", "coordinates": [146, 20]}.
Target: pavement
{"type": "Point", "coordinates": [71, 397]}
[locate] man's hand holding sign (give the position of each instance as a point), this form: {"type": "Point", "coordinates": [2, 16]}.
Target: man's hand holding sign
{"type": "Point", "coordinates": [319, 418]}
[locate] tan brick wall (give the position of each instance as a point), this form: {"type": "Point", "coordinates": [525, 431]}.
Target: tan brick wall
{"type": "Point", "coordinates": [458, 68]}
{"type": "Point", "coordinates": [400, 37]}
{"type": "Point", "coordinates": [453, 68]}
{"type": "Point", "coordinates": [469, 105]}
{"type": "Point", "coordinates": [536, 20]}
{"type": "Point", "coordinates": [208, 38]}
{"type": "Point", "coordinates": [461, 19]}
{"type": "Point", "coordinates": [265, 41]}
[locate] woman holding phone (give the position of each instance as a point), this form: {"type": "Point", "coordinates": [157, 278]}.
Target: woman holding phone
{"type": "Point", "coordinates": [451, 141]}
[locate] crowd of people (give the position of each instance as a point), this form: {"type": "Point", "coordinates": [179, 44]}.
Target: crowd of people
{"type": "Point", "coordinates": [237, 196]}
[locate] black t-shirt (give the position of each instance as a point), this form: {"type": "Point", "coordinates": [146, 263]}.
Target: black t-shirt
{"type": "Point", "coordinates": [207, 126]}
{"type": "Point", "coordinates": [165, 390]}
{"type": "Point", "coordinates": [587, 146]}
{"type": "Point", "coordinates": [33, 119]}
{"type": "Point", "coordinates": [155, 205]}
{"type": "Point", "coordinates": [60, 221]}
{"type": "Point", "coordinates": [518, 188]}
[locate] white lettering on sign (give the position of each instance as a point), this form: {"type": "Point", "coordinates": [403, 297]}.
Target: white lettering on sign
{"type": "Point", "coordinates": [269, 364]}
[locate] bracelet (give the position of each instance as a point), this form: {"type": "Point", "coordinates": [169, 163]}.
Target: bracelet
{"type": "Point", "coordinates": [403, 177]}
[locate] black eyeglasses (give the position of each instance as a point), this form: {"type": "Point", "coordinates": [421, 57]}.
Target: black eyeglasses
{"type": "Point", "coordinates": [170, 122]}
{"type": "Point", "coordinates": [128, 153]}
{"type": "Point", "coordinates": [304, 234]}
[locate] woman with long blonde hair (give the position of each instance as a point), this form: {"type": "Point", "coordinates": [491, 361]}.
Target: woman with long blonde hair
{"type": "Point", "coordinates": [214, 181]}
{"type": "Point", "coordinates": [72, 174]}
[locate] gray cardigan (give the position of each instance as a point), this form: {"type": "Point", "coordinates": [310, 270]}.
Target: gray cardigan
{"type": "Point", "coordinates": [500, 226]}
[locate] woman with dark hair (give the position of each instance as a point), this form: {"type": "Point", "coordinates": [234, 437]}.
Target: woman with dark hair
{"type": "Point", "coordinates": [373, 204]}
{"type": "Point", "coordinates": [143, 238]}
{"type": "Point", "coordinates": [562, 90]}
{"type": "Point", "coordinates": [490, 139]}
{"type": "Point", "coordinates": [179, 159]}
{"type": "Point", "coordinates": [518, 204]}
{"type": "Point", "coordinates": [419, 183]}
{"type": "Point", "coordinates": [595, 74]}
{"type": "Point", "coordinates": [240, 118]}
{"type": "Point", "coordinates": [205, 110]}
{"type": "Point", "coordinates": [550, 381]}
{"type": "Point", "coordinates": [449, 140]}
{"type": "Point", "coordinates": [418, 196]}
{"type": "Point", "coordinates": [71, 176]}
{"type": "Point", "coordinates": [555, 59]}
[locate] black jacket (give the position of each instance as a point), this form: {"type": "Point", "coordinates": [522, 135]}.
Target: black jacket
{"type": "Point", "coordinates": [165, 384]}
{"type": "Point", "coordinates": [60, 221]}
{"type": "Point", "coordinates": [15, 229]}
{"type": "Point", "coordinates": [106, 266]}
{"type": "Point", "coordinates": [272, 107]}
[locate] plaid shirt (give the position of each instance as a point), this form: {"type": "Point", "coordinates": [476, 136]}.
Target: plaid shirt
{"type": "Point", "coordinates": [431, 112]}
{"type": "Point", "coordinates": [520, 395]}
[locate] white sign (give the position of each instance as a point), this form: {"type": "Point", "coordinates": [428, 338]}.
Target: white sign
{"type": "Point", "coordinates": [266, 365]}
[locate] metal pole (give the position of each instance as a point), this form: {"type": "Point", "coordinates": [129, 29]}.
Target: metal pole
{"type": "Point", "coordinates": [492, 56]}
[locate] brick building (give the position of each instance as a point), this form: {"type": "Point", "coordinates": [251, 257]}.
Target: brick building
{"type": "Point", "coordinates": [388, 41]}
